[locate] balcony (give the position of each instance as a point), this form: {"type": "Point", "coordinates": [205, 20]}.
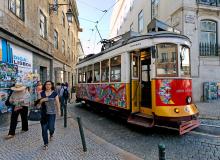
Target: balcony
{"type": "Point", "coordinates": [209, 2]}
{"type": "Point", "coordinates": [208, 49]}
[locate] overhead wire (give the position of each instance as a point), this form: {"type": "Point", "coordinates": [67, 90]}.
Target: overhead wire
{"type": "Point", "coordinates": [85, 3]}
{"type": "Point", "coordinates": [98, 21]}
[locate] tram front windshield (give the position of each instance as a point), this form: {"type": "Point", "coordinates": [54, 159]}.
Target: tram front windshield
{"type": "Point", "coordinates": [167, 61]}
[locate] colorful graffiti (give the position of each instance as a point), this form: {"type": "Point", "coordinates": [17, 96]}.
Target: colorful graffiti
{"type": "Point", "coordinates": [173, 92]}
{"type": "Point", "coordinates": [164, 92]}
{"type": "Point", "coordinates": [16, 65]}
{"type": "Point", "coordinates": [8, 75]}
{"type": "Point", "coordinates": [110, 94]}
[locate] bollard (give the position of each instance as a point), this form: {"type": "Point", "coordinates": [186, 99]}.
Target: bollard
{"type": "Point", "coordinates": [82, 134]}
{"type": "Point", "coordinates": [65, 113]}
{"type": "Point", "coordinates": [161, 148]}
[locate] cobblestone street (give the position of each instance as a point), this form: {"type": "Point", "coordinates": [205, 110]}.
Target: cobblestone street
{"type": "Point", "coordinates": [144, 142]}
{"type": "Point", "coordinates": [65, 145]}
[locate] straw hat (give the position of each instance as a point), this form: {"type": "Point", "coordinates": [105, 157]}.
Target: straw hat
{"type": "Point", "coordinates": [18, 87]}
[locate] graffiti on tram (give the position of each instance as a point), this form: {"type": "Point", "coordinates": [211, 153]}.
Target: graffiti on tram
{"type": "Point", "coordinates": [110, 94]}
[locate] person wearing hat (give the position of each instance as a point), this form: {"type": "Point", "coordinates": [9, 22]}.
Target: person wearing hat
{"type": "Point", "coordinates": [20, 99]}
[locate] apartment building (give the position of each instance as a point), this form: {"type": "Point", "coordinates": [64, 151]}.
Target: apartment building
{"type": "Point", "coordinates": [38, 37]}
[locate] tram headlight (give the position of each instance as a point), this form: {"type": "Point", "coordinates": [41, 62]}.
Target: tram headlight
{"type": "Point", "coordinates": [176, 110]}
{"type": "Point", "coordinates": [188, 99]}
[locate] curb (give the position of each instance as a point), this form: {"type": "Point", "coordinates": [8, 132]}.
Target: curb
{"type": "Point", "coordinates": [116, 150]}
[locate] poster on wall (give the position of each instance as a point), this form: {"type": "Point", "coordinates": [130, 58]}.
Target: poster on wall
{"type": "Point", "coordinates": [23, 60]}
{"type": "Point", "coordinates": [8, 76]}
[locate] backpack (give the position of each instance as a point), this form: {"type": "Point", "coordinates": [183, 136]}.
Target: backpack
{"type": "Point", "coordinates": [65, 93]}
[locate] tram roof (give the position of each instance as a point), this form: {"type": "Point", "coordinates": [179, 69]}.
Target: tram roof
{"type": "Point", "coordinates": [130, 37]}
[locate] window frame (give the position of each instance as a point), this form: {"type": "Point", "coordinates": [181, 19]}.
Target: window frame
{"type": "Point", "coordinates": [55, 41]}
{"type": "Point", "coordinates": [119, 56]}
{"type": "Point", "coordinates": [107, 78]}
{"type": "Point", "coordinates": [44, 25]}
{"type": "Point", "coordinates": [63, 48]}
{"type": "Point", "coordinates": [167, 62]}
{"type": "Point", "coordinates": [63, 19]}
{"type": "Point", "coordinates": [141, 19]}
{"type": "Point", "coordinates": [209, 43]}
{"type": "Point", "coordinates": [99, 69]}
{"type": "Point", "coordinates": [22, 9]}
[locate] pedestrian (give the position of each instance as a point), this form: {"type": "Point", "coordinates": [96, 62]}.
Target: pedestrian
{"type": "Point", "coordinates": [39, 87]}
{"type": "Point", "coordinates": [64, 94]}
{"type": "Point", "coordinates": [50, 105]}
{"type": "Point", "coordinates": [20, 101]}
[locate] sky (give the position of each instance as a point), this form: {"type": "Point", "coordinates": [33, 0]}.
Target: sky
{"type": "Point", "coordinates": [91, 11]}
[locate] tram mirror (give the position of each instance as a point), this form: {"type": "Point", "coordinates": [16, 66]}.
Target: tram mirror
{"type": "Point", "coordinates": [153, 51]}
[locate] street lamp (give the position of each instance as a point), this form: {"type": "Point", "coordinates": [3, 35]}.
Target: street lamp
{"type": "Point", "coordinates": [69, 13]}
{"type": "Point", "coordinates": [69, 16]}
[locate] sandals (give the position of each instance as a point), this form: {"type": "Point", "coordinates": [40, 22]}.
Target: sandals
{"type": "Point", "coordinates": [9, 136]}
{"type": "Point", "coordinates": [45, 147]}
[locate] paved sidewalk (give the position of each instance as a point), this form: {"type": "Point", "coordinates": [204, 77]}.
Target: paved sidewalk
{"type": "Point", "coordinates": [65, 145]}
{"type": "Point", "coordinates": [209, 110]}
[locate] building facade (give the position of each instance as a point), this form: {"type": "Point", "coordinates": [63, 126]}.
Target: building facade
{"type": "Point", "coordinates": [197, 19]}
{"type": "Point", "coordinates": [39, 38]}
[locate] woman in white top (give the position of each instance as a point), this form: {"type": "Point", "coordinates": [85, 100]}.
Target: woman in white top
{"type": "Point", "coordinates": [20, 100]}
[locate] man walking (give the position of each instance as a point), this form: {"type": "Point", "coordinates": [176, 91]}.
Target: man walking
{"type": "Point", "coordinates": [64, 96]}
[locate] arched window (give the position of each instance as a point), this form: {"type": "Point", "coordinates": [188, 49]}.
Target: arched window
{"type": "Point", "coordinates": [208, 38]}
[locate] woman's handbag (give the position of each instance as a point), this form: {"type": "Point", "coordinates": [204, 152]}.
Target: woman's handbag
{"type": "Point", "coordinates": [34, 114]}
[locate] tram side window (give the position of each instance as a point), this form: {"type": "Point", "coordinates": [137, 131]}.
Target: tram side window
{"type": "Point", "coordinates": [80, 75]}
{"type": "Point", "coordinates": [89, 74]}
{"type": "Point", "coordinates": [185, 62]}
{"type": "Point", "coordinates": [116, 69]}
{"type": "Point", "coordinates": [97, 72]}
{"type": "Point", "coordinates": [84, 75]}
{"type": "Point", "coordinates": [166, 62]}
{"type": "Point", "coordinates": [105, 70]}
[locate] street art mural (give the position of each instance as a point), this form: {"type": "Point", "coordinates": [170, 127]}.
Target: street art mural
{"type": "Point", "coordinates": [109, 94]}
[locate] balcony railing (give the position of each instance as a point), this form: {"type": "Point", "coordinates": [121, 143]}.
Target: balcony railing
{"type": "Point", "coordinates": [209, 2]}
{"type": "Point", "coordinates": [208, 49]}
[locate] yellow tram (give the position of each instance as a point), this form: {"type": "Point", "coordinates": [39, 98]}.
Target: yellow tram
{"type": "Point", "coordinates": [145, 76]}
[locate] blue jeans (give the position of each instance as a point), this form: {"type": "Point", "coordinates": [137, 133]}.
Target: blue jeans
{"type": "Point", "coordinates": [49, 125]}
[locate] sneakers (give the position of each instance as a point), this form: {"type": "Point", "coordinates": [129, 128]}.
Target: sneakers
{"type": "Point", "coordinates": [22, 131]}
{"type": "Point", "coordinates": [9, 136]}
{"type": "Point", "coordinates": [45, 147]}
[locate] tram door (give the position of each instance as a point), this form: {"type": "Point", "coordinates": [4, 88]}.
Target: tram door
{"type": "Point", "coordinates": [135, 82]}
{"type": "Point", "coordinates": [145, 81]}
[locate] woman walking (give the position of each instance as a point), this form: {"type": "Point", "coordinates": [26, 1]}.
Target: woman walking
{"type": "Point", "coordinates": [50, 105]}
{"type": "Point", "coordinates": [20, 100]}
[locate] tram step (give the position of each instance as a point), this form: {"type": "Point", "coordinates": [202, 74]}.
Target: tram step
{"type": "Point", "coordinates": [141, 121]}
{"type": "Point", "coordinates": [144, 115]}
{"type": "Point", "coordinates": [188, 126]}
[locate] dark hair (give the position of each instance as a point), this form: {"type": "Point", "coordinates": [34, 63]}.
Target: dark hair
{"type": "Point", "coordinates": [44, 86]}
{"type": "Point", "coordinates": [28, 88]}
{"type": "Point", "coordinates": [58, 83]}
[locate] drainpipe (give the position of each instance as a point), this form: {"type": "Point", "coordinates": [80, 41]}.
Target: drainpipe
{"type": "Point", "coordinates": [151, 14]}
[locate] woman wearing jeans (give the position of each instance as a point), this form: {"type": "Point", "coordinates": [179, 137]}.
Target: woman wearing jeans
{"type": "Point", "coordinates": [50, 105]}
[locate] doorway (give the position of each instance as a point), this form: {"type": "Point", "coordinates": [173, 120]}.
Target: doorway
{"type": "Point", "coordinates": [146, 79]}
